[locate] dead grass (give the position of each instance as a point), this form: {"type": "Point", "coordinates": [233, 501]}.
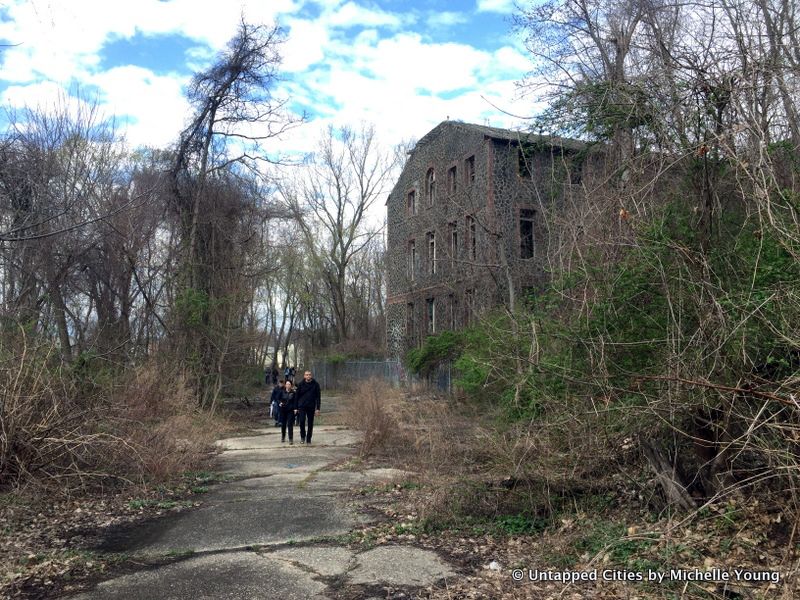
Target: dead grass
{"type": "Point", "coordinates": [555, 494]}
{"type": "Point", "coordinates": [74, 428]}
{"type": "Point", "coordinates": [552, 496]}
{"type": "Point", "coordinates": [166, 433]}
{"type": "Point", "coordinates": [375, 409]}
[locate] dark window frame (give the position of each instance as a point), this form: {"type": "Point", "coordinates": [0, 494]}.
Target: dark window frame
{"type": "Point", "coordinates": [469, 171]}
{"type": "Point", "coordinates": [452, 180]}
{"type": "Point", "coordinates": [411, 255]}
{"type": "Point", "coordinates": [430, 186]}
{"type": "Point", "coordinates": [453, 237]}
{"type": "Point", "coordinates": [471, 237]}
{"type": "Point", "coordinates": [526, 227]}
{"type": "Point", "coordinates": [411, 203]}
{"type": "Point", "coordinates": [430, 242]}
{"type": "Point", "coordinates": [430, 315]}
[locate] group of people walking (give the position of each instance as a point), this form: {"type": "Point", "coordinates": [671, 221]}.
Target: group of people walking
{"type": "Point", "coordinates": [273, 374]}
{"type": "Point", "coordinates": [290, 405]}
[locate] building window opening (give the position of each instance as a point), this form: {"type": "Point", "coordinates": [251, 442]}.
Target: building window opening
{"type": "Point", "coordinates": [431, 315]}
{"type": "Point", "coordinates": [469, 170]}
{"type": "Point", "coordinates": [453, 312]}
{"type": "Point", "coordinates": [453, 243]}
{"type": "Point", "coordinates": [412, 259]}
{"type": "Point", "coordinates": [469, 306]}
{"type": "Point", "coordinates": [452, 180]}
{"type": "Point", "coordinates": [526, 233]}
{"type": "Point", "coordinates": [575, 170]}
{"type": "Point", "coordinates": [411, 203]}
{"type": "Point", "coordinates": [430, 186]}
{"type": "Point", "coordinates": [525, 154]}
{"type": "Point", "coordinates": [431, 252]}
{"type": "Point", "coordinates": [472, 238]}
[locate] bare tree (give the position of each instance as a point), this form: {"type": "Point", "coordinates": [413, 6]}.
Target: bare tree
{"type": "Point", "coordinates": [236, 112]}
{"type": "Point", "coordinates": [59, 168]}
{"type": "Point", "coordinates": [331, 202]}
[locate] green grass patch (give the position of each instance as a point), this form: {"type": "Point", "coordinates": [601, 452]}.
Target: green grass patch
{"type": "Point", "coordinates": [611, 538]}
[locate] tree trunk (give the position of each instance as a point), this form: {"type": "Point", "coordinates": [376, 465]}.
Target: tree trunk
{"type": "Point", "coordinates": [60, 311]}
{"type": "Point", "coordinates": [669, 476]}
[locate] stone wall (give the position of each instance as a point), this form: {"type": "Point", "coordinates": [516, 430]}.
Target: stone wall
{"type": "Point", "coordinates": [480, 188]}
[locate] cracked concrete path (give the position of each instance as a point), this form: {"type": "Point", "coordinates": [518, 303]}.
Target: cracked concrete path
{"type": "Point", "coordinates": [269, 532]}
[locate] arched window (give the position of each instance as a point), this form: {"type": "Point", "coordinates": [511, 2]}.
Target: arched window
{"type": "Point", "coordinates": [430, 186]}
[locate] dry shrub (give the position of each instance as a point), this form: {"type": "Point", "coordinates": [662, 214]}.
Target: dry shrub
{"type": "Point", "coordinates": [470, 464]}
{"type": "Point", "coordinates": [45, 423]}
{"type": "Point", "coordinates": [440, 438]}
{"type": "Point", "coordinates": [375, 409]}
{"type": "Point", "coordinates": [165, 432]}
{"type": "Point", "coordinates": [436, 431]}
{"type": "Point", "coordinates": [65, 428]}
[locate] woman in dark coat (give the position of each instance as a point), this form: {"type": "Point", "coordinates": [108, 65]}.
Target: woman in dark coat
{"type": "Point", "coordinates": [287, 404]}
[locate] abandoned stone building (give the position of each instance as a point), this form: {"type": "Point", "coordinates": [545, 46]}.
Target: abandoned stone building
{"type": "Point", "coordinates": [465, 231]}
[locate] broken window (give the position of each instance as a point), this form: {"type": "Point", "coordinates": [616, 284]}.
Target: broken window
{"type": "Point", "coordinates": [469, 306]}
{"type": "Point", "coordinates": [410, 320]}
{"type": "Point", "coordinates": [411, 203]}
{"type": "Point", "coordinates": [452, 180]}
{"type": "Point", "coordinates": [431, 252]}
{"type": "Point", "coordinates": [453, 311]}
{"type": "Point", "coordinates": [525, 154]}
{"type": "Point", "coordinates": [431, 315]}
{"type": "Point", "coordinates": [453, 243]}
{"type": "Point", "coordinates": [430, 186]}
{"type": "Point", "coordinates": [412, 259]}
{"type": "Point", "coordinates": [469, 170]}
{"type": "Point", "coordinates": [472, 238]}
{"type": "Point", "coordinates": [526, 232]}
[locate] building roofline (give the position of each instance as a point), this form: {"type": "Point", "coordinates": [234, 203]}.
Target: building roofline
{"type": "Point", "coordinates": [497, 133]}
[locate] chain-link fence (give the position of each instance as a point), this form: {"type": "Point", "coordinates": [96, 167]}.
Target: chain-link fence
{"type": "Point", "coordinates": [338, 375]}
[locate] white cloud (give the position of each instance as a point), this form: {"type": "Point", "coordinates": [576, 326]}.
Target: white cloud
{"type": "Point", "coordinates": [406, 61]}
{"type": "Point", "coordinates": [446, 19]}
{"type": "Point", "coordinates": [44, 95]}
{"type": "Point", "coordinates": [305, 46]}
{"type": "Point", "coordinates": [406, 85]}
{"type": "Point", "coordinates": [156, 103]}
{"type": "Point", "coordinates": [342, 65]}
{"type": "Point", "coordinates": [61, 40]}
{"type": "Point", "coordinates": [510, 62]}
{"type": "Point", "coordinates": [497, 6]}
{"type": "Point", "coordinates": [351, 14]}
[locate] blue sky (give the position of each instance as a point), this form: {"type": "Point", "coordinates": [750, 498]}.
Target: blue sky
{"type": "Point", "coordinates": [404, 66]}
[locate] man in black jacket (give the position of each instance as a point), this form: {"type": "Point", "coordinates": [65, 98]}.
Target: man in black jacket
{"type": "Point", "coordinates": [308, 399]}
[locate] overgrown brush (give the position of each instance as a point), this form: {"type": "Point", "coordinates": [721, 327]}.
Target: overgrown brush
{"type": "Point", "coordinates": [375, 409]}
{"type": "Point", "coordinates": [46, 427]}
{"type": "Point", "coordinates": [670, 363]}
{"type": "Point", "coordinates": [76, 426]}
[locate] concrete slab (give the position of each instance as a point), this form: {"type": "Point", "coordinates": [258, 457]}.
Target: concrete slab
{"type": "Point", "coordinates": [268, 439]}
{"type": "Point", "coordinates": [329, 482]}
{"type": "Point", "coordinates": [229, 576]}
{"type": "Point", "coordinates": [279, 494]}
{"type": "Point", "coordinates": [399, 565]}
{"type": "Point", "coordinates": [255, 486]}
{"type": "Point", "coordinates": [327, 561]}
{"type": "Point", "coordinates": [282, 459]}
{"type": "Point", "coordinates": [324, 435]}
{"type": "Point", "coordinates": [274, 518]}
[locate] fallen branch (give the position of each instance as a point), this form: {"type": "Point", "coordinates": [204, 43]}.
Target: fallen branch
{"type": "Point", "coordinates": [790, 401]}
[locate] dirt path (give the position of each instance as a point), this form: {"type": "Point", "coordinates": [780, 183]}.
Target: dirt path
{"type": "Point", "coordinates": [276, 529]}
